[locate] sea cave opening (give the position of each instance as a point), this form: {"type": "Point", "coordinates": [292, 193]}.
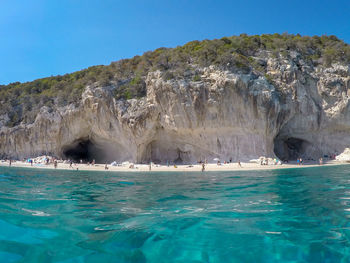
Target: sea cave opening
{"type": "Point", "coordinates": [88, 150]}
{"type": "Point", "coordinates": [79, 150]}
{"type": "Point", "coordinates": [290, 148]}
{"type": "Point", "coordinates": [167, 152]}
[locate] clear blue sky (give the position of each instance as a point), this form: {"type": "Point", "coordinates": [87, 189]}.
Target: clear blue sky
{"type": "Point", "coordinates": [40, 38]}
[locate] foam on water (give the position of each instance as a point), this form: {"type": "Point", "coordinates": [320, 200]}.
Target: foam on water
{"type": "Point", "coordinates": [294, 215]}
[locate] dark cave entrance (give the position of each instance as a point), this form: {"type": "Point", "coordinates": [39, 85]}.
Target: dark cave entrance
{"type": "Point", "coordinates": [100, 150]}
{"type": "Point", "coordinates": [87, 151]}
{"type": "Point", "coordinates": [290, 148]}
{"type": "Point", "coordinates": [80, 150]}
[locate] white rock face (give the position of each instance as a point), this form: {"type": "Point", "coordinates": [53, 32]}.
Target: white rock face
{"type": "Point", "coordinates": [344, 156]}
{"type": "Point", "coordinates": [300, 112]}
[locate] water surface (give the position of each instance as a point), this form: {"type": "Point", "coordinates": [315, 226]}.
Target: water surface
{"type": "Point", "coordinates": [291, 215]}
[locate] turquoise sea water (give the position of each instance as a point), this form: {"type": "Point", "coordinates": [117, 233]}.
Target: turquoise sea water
{"type": "Point", "coordinates": [291, 215]}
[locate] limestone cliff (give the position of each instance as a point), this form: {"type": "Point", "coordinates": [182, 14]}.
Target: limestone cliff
{"type": "Point", "coordinates": [294, 109]}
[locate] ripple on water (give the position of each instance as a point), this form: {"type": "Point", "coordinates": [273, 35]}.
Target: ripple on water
{"type": "Point", "coordinates": [35, 212]}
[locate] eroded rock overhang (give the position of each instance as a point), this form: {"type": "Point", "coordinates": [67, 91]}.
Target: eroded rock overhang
{"type": "Point", "coordinates": [226, 115]}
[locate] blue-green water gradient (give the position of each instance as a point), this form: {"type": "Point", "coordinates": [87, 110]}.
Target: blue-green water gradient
{"type": "Point", "coordinates": [291, 215]}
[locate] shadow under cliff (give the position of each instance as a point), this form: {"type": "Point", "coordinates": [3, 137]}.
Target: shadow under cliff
{"type": "Point", "coordinates": [88, 149]}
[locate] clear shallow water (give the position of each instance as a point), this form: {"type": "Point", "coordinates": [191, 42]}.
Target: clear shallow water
{"type": "Point", "coordinates": [294, 215]}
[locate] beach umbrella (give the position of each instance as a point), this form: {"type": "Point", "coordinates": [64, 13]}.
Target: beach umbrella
{"type": "Point", "coordinates": [216, 159]}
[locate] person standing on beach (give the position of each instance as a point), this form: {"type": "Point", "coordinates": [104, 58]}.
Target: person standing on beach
{"type": "Point", "coordinates": [203, 167]}
{"type": "Point", "coordinates": [55, 164]}
{"type": "Point", "coordinates": [10, 162]}
{"type": "Point", "coordinates": [150, 166]}
{"type": "Point", "coordinates": [239, 163]}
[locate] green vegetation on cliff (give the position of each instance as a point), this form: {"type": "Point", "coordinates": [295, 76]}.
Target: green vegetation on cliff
{"type": "Point", "coordinates": [22, 101]}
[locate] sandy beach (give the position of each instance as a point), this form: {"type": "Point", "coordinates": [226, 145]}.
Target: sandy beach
{"type": "Point", "coordinates": [170, 168]}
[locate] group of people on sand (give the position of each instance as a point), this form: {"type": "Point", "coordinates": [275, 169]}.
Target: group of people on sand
{"type": "Point", "coordinates": [300, 161]}
{"type": "Point", "coordinates": [264, 161]}
{"type": "Point", "coordinates": [218, 163]}
{"type": "Point", "coordinates": [52, 160]}
{"type": "Point", "coordinates": [203, 164]}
